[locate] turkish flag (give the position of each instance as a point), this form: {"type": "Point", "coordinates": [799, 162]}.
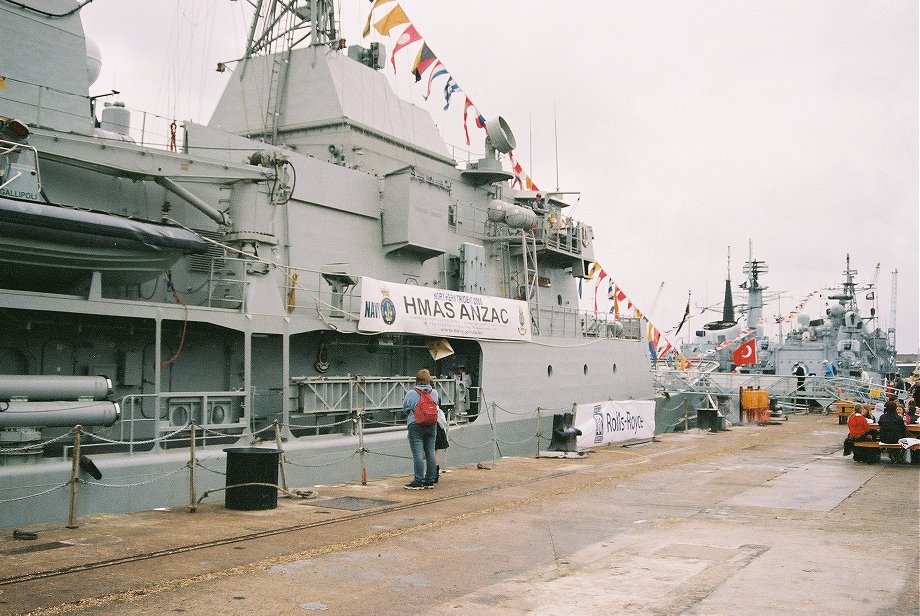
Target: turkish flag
{"type": "Point", "coordinates": [746, 353]}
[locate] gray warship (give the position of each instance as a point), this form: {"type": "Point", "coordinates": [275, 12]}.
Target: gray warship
{"type": "Point", "coordinates": [844, 335]}
{"type": "Point", "coordinates": [275, 276]}
{"type": "Point", "coordinates": [861, 352]}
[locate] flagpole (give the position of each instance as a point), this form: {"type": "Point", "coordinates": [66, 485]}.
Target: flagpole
{"type": "Point", "coordinates": [530, 139]}
{"type": "Point", "coordinates": [556, 144]}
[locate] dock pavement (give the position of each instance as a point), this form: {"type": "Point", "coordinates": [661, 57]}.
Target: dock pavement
{"type": "Point", "coordinates": [756, 520]}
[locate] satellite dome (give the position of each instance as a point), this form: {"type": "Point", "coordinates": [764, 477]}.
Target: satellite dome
{"type": "Point", "coordinates": [93, 61]}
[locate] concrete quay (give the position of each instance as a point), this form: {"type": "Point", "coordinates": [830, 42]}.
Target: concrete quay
{"type": "Point", "coordinates": [757, 520]}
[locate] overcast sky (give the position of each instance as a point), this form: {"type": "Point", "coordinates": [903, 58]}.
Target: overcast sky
{"type": "Point", "coordinates": [688, 126]}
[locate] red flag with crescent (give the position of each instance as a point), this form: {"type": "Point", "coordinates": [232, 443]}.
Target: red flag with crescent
{"type": "Point", "coordinates": [746, 353]}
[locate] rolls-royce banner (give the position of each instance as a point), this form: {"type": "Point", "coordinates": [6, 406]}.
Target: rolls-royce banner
{"type": "Point", "coordinates": [391, 307]}
{"type": "Point", "coordinates": [614, 421]}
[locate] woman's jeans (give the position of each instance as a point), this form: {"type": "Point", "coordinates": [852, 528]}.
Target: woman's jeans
{"type": "Point", "coordinates": [421, 442]}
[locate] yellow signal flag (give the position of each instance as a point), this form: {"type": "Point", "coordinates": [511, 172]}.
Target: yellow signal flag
{"type": "Point", "coordinates": [394, 18]}
{"type": "Point", "coordinates": [367, 26]}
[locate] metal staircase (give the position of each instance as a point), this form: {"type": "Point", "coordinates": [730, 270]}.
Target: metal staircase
{"type": "Point", "coordinates": [530, 283]}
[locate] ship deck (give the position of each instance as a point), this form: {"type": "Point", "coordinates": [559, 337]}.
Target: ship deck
{"type": "Point", "coordinates": [756, 520]}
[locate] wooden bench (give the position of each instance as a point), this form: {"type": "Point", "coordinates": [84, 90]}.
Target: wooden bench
{"type": "Point", "coordinates": [872, 451]}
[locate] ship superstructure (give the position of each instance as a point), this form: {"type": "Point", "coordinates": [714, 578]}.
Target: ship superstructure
{"type": "Point", "coordinates": [276, 273]}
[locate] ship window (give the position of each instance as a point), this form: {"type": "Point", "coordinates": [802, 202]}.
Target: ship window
{"type": "Point", "coordinates": [549, 370]}
{"type": "Point", "coordinates": [614, 368]}
{"type": "Point", "coordinates": [585, 369]}
{"type": "Point", "coordinates": [559, 299]}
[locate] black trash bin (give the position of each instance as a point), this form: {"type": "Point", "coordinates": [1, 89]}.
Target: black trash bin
{"type": "Point", "coordinates": [252, 465]}
{"type": "Point", "coordinates": [708, 419]}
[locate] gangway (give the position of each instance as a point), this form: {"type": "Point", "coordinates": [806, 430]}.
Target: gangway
{"type": "Point", "coordinates": [816, 390]}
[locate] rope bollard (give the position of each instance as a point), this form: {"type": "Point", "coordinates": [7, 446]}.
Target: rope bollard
{"type": "Point", "coordinates": [539, 428]}
{"type": "Point", "coordinates": [72, 518]}
{"type": "Point", "coordinates": [494, 435]}
{"type": "Point", "coordinates": [281, 456]}
{"type": "Point", "coordinates": [360, 427]}
{"type": "Point", "coordinates": [192, 502]}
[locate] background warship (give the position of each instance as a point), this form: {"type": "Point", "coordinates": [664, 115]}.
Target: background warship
{"type": "Point", "coordinates": [252, 279]}
{"type": "Point", "coordinates": [843, 335]}
{"type": "Point", "coordinates": [732, 354]}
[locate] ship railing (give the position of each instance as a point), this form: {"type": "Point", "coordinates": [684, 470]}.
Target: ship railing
{"type": "Point", "coordinates": [156, 419]}
{"type": "Point", "coordinates": [669, 378]}
{"type": "Point", "coordinates": [564, 235]}
{"type": "Point", "coordinates": [227, 282]}
{"type": "Point", "coordinates": [604, 325]}
{"type": "Point", "coordinates": [16, 161]}
{"type": "Point", "coordinates": [40, 102]}
{"type": "Point", "coordinates": [145, 128]}
{"type": "Point", "coordinates": [330, 294]}
{"type": "Point", "coordinates": [151, 130]}
{"type": "Point", "coordinates": [319, 400]}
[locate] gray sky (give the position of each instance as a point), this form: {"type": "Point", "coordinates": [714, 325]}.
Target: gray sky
{"type": "Point", "coordinates": [688, 126]}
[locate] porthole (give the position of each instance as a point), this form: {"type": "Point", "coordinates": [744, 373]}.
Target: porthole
{"type": "Point", "coordinates": [614, 368]}
{"type": "Point", "coordinates": [585, 369]}
{"type": "Point", "coordinates": [549, 370]}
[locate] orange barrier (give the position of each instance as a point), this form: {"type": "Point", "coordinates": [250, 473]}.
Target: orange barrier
{"type": "Point", "coordinates": [755, 404]}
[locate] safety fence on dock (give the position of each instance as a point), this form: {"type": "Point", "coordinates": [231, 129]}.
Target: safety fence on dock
{"type": "Point", "coordinates": [203, 460]}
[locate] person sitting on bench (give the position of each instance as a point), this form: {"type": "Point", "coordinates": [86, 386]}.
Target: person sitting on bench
{"type": "Point", "coordinates": [891, 428]}
{"type": "Point", "coordinates": [859, 430]}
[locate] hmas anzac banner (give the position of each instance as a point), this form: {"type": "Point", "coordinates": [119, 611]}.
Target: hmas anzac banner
{"type": "Point", "coordinates": [614, 421]}
{"type": "Point", "coordinates": [390, 307]}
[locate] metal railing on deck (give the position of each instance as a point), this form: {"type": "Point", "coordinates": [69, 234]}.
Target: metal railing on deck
{"type": "Point", "coordinates": [149, 417]}
{"type": "Point", "coordinates": [344, 394]}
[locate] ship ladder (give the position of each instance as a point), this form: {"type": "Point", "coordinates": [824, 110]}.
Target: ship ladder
{"type": "Point", "coordinates": [531, 293]}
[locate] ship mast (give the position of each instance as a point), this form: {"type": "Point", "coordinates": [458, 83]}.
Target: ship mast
{"type": "Point", "coordinates": [277, 27]}
{"type": "Point", "coordinates": [754, 269]}
{"type": "Point", "coordinates": [728, 305]}
{"type": "Point", "coordinates": [892, 319]}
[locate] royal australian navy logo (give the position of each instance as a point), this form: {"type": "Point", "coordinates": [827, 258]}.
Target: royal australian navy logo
{"type": "Point", "coordinates": [523, 324]}
{"type": "Point", "coordinates": [384, 310]}
{"type": "Point", "coordinates": [388, 310]}
{"type": "Point", "coordinates": [387, 307]}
